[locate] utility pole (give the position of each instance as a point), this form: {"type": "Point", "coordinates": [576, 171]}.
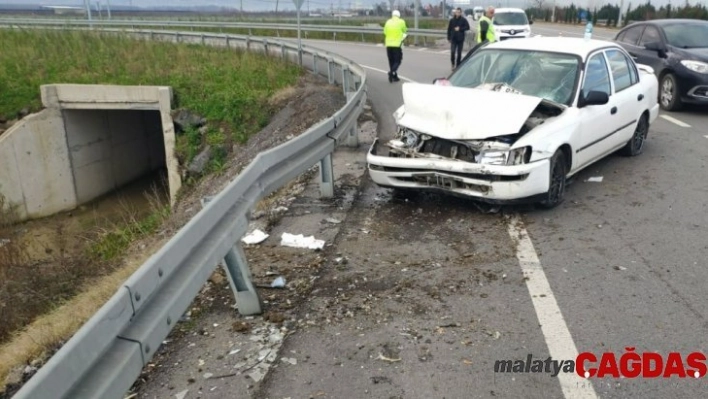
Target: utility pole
{"type": "Point", "coordinates": [619, 16]}
{"type": "Point", "coordinates": [88, 11]}
{"type": "Point", "coordinates": [108, 8]}
{"type": "Point", "coordinates": [416, 4]}
{"type": "Point", "coordinates": [98, 9]}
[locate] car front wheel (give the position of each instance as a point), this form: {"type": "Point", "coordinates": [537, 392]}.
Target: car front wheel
{"type": "Point", "coordinates": [557, 181]}
{"type": "Point", "coordinates": [669, 97]}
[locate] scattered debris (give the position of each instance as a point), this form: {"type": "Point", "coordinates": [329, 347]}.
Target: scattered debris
{"type": "Point", "coordinates": [278, 282]}
{"type": "Point", "coordinates": [3, 242]}
{"type": "Point", "coordinates": [235, 351]}
{"type": "Point", "coordinates": [300, 241]}
{"type": "Point", "coordinates": [208, 375]}
{"type": "Point", "coordinates": [388, 359]}
{"type": "Point", "coordinates": [241, 326]}
{"type": "Point", "coordinates": [292, 361]}
{"type": "Point", "coordinates": [274, 317]}
{"type": "Point", "coordinates": [255, 237]}
{"type": "Point", "coordinates": [620, 268]}
{"type": "Point", "coordinates": [596, 179]}
{"type": "Point", "coordinates": [182, 394]}
{"type": "Point", "coordinates": [333, 221]}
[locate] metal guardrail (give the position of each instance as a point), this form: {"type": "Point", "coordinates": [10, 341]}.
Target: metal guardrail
{"type": "Point", "coordinates": [132, 24]}
{"type": "Point", "coordinates": [107, 354]}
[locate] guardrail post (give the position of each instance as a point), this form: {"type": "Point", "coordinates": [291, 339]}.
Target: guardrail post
{"type": "Point", "coordinates": [239, 275]}
{"type": "Point", "coordinates": [203, 40]}
{"type": "Point", "coordinates": [353, 136]}
{"type": "Point", "coordinates": [177, 37]}
{"type": "Point", "coordinates": [334, 36]}
{"type": "Point", "coordinates": [284, 51]}
{"type": "Point", "coordinates": [248, 43]}
{"type": "Point", "coordinates": [314, 64]}
{"type": "Point", "coordinates": [326, 177]}
{"type": "Point", "coordinates": [345, 79]}
{"type": "Point", "coordinates": [227, 42]}
{"type": "Point", "coordinates": [330, 70]}
{"type": "Point", "coordinates": [265, 46]}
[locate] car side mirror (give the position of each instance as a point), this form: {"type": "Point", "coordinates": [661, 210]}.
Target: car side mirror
{"type": "Point", "coordinates": [595, 98]}
{"type": "Point", "coordinates": [654, 46]}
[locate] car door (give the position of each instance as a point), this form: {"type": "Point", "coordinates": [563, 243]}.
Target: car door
{"type": "Point", "coordinates": [628, 100]}
{"type": "Point", "coordinates": [597, 122]}
{"type": "Point", "coordinates": [649, 57]}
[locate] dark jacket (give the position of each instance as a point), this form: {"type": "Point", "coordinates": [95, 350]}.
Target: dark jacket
{"type": "Point", "coordinates": [464, 26]}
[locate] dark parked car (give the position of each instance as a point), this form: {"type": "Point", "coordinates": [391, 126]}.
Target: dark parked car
{"type": "Point", "coordinates": [677, 49]}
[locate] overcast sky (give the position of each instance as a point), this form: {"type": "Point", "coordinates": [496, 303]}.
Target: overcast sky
{"type": "Point", "coordinates": [288, 4]}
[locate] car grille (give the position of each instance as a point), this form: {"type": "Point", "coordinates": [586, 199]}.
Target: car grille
{"type": "Point", "coordinates": [449, 149]}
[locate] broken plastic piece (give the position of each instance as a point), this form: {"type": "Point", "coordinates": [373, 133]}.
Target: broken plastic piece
{"type": "Point", "coordinates": [256, 237]}
{"type": "Point", "coordinates": [596, 179]}
{"type": "Point", "coordinates": [300, 241]}
{"type": "Point", "coordinates": [278, 282]}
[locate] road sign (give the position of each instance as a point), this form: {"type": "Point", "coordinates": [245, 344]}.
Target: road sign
{"type": "Point", "coordinates": [298, 3]}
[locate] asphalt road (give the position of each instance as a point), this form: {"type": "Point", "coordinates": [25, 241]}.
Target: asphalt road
{"type": "Point", "coordinates": [624, 262]}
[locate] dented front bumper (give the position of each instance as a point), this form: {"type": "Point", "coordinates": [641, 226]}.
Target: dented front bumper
{"type": "Point", "coordinates": [489, 183]}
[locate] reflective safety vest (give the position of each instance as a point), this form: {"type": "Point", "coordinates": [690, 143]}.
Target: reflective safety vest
{"type": "Point", "coordinates": [394, 29]}
{"type": "Point", "coordinates": [491, 34]}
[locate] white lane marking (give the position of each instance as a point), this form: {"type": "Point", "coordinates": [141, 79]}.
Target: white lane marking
{"type": "Point", "coordinates": [675, 121]}
{"type": "Point", "coordinates": [423, 49]}
{"type": "Point", "coordinates": [555, 331]}
{"type": "Point", "coordinates": [386, 72]}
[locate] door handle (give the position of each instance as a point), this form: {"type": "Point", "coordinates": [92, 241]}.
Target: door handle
{"type": "Point", "coordinates": [640, 97]}
{"type": "Point", "coordinates": [613, 110]}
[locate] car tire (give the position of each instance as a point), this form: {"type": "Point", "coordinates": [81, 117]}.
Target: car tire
{"type": "Point", "coordinates": [635, 145]}
{"type": "Point", "coordinates": [557, 182]}
{"type": "Point", "coordinates": [669, 97]}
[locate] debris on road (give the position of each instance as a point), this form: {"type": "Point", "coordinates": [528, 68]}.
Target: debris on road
{"type": "Point", "coordinates": [300, 241]}
{"type": "Point", "coordinates": [182, 394]}
{"type": "Point", "coordinates": [3, 242]}
{"type": "Point", "coordinates": [388, 359]}
{"type": "Point", "coordinates": [278, 282]}
{"type": "Point", "coordinates": [620, 268]}
{"type": "Point", "coordinates": [255, 237]}
{"type": "Point", "coordinates": [333, 221]}
{"type": "Point", "coordinates": [595, 179]}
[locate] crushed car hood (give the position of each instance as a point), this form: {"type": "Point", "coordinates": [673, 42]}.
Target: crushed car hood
{"type": "Point", "coordinates": [460, 113]}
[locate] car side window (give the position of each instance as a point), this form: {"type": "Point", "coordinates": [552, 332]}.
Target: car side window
{"type": "Point", "coordinates": [632, 35]}
{"type": "Point", "coordinates": [651, 34]}
{"type": "Point", "coordinates": [624, 74]}
{"type": "Point", "coordinates": [596, 76]}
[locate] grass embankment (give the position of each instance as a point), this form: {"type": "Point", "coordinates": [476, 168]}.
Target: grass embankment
{"type": "Point", "coordinates": [229, 88]}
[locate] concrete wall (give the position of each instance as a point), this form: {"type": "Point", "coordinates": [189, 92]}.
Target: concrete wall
{"type": "Point", "coordinates": [90, 140]}
{"type": "Point", "coordinates": [35, 172]}
{"type": "Point", "coordinates": [109, 148]}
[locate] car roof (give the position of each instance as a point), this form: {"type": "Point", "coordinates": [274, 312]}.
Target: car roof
{"type": "Point", "coordinates": [507, 9]}
{"type": "Point", "coordinates": [670, 21]}
{"type": "Point", "coordinates": [568, 45]}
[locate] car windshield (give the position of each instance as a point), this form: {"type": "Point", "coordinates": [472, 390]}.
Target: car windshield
{"type": "Point", "coordinates": [687, 35]}
{"type": "Point", "coordinates": [510, 18]}
{"type": "Point", "coordinates": [547, 75]}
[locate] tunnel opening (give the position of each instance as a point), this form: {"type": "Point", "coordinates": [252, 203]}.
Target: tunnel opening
{"type": "Point", "coordinates": [116, 153]}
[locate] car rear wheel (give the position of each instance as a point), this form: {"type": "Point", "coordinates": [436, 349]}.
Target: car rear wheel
{"type": "Point", "coordinates": [557, 182]}
{"type": "Point", "coordinates": [669, 97]}
{"type": "Point", "coordinates": [635, 145]}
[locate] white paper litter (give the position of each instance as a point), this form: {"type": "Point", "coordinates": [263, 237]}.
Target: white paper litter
{"type": "Point", "coordinates": [596, 179]}
{"type": "Point", "coordinates": [256, 237]}
{"type": "Point", "coordinates": [3, 242]}
{"type": "Point", "coordinates": [300, 241]}
{"type": "Point", "coordinates": [182, 394]}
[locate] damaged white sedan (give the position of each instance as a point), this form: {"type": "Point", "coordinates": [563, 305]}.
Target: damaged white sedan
{"type": "Point", "coordinates": [517, 119]}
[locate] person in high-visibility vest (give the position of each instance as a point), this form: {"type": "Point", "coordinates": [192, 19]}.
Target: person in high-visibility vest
{"type": "Point", "coordinates": [395, 31]}
{"type": "Point", "coordinates": [485, 28]}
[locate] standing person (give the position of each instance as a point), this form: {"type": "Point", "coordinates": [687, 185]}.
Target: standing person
{"type": "Point", "coordinates": [395, 31]}
{"type": "Point", "coordinates": [485, 28]}
{"type": "Point", "coordinates": [456, 30]}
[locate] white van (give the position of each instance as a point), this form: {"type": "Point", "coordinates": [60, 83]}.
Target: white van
{"type": "Point", "coordinates": [511, 23]}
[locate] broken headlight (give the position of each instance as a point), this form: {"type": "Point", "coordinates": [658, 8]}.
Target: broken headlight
{"type": "Point", "coordinates": [516, 156]}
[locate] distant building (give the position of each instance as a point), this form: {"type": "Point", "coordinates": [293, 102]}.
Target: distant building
{"type": "Point", "coordinates": [66, 10]}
